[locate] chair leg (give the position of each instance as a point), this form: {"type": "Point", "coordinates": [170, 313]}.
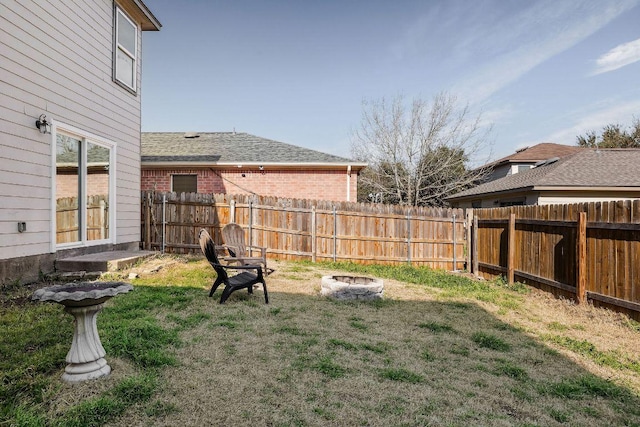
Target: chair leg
{"type": "Point", "coordinates": [266, 294]}
{"type": "Point", "coordinates": [215, 286]}
{"type": "Point", "coordinates": [226, 293]}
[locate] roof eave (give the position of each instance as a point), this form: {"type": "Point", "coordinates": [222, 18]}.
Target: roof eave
{"type": "Point", "coordinates": [140, 11]}
{"type": "Point", "coordinates": [491, 193]}
{"type": "Point", "coordinates": [583, 188]}
{"type": "Point", "coordinates": [320, 165]}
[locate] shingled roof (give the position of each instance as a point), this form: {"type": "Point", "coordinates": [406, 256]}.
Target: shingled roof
{"type": "Point", "coordinates": [587, 168]}
{"type": "Point", "coordinates": [536, 153]}
{"type": "Point", "coordinates": [229, 148]}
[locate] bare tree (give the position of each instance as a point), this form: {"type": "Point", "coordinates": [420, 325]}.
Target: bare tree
{"type": "Point", "coordinates": [417, 155]}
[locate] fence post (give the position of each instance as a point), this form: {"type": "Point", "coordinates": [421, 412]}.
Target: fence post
{"type": "Point", "coordinates": [147, 222]}
{"type": "Point", "coordinates": [335, 234]}
{"type": "Point", "coordinates": [511, 247]}
{"type": "Point", "coordinates": [468, 228]}
{"type": "Point", "coordinates": [455, 264]}
{"type": "Point", "coordinates": [232, 210]}
{"type": "Point", "coordinates": [581, 248]}
{"type": "Point", "coordinates": [250, 222]}
{"type": "Point", "coordinates": [474, 246]}
{"type": "Point", "coordinates": [409, 238]}
{"type": "Point", "coordinates": [313, 234]}
{"type": "Point", "coordinates": [164, 217]}
{"type": "Point", "coordinates": [103, 227]}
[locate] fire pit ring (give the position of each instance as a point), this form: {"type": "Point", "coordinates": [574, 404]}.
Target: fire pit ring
{"type": "Point", "coordinates": [344, 287]}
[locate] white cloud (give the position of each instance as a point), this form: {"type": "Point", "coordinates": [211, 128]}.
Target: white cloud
{"type": "Point", "coordinates": [620, 113]}
{"type": "Point", "coordinates": [534, 35]}
{"type": "Point", "coordinates": [618, 57]}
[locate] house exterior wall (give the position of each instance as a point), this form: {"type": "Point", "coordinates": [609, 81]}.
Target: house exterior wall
{"type": "Point", "coordinates": [548, 198]}
{"type": "Point", "coordinates": [498, 172]}
{"type": "Point", "coordinates": [291, 183]}
{"type": "Point", "coordinates": [57, 60]}
{"type": "Point", "coordinates": [493, 201]}
{"type": "Point", "coordinates": [505, 170]}
{"type": "Point", "coordinates": [562, 197]}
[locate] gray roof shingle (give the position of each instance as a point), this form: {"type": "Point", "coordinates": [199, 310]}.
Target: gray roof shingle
{"type": "Point", "coordinates": [616, 167]}
{"type": "Point", "coordinates": [228, 148]}
{"type": "Point", "coordinates": [536, 153]}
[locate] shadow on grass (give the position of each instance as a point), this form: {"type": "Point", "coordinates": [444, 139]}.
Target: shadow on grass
{"type": "Point", "coordinates": [303, 360]}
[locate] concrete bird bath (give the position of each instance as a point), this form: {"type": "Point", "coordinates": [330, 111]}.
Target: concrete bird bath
{"type": "Point", "coordinates": [83, 301]}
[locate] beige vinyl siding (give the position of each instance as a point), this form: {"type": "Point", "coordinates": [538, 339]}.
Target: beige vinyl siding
{"type": "Point", "coordinates": [56, 59]}
{"type": "Point", "coordinates": [552, 198]}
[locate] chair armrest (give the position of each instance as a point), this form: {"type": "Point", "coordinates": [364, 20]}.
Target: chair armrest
{"type": "Point", "coordinates": [262, 249]}
{"type": "Point", "coordinates": [230, 249]}
{"type": "Point", "coordinates": [239, 267]}
{"type": "Point", "coordinates": [258, 268]}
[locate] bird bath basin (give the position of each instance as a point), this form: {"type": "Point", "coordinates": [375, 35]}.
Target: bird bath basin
{"type": "Point", "coordinates": [352, 287]}
{"type": "Point", "coordinates": [83, 301]}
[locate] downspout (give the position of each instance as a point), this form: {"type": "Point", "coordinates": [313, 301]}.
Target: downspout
{"type": "Point", "coordinates": [348, 183]}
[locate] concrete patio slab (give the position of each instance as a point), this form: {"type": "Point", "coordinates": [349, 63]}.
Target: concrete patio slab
{"type": "Point", "coordinates": [102, 261]}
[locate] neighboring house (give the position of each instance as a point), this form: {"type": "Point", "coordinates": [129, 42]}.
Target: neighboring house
{"type": "Point", "coordinates": [240, 163]}
{"type": "Point", "coordinates": [525, 158]}
{"type": "Point", "coordinates": [69, 130]}
{"type": "Point", "coordinates": [589, 175]}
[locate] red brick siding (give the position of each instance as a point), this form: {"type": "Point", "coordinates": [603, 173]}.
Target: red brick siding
{"type": "Point", "coordinates": [67, 184]}
{"type": "Point", "coordinates": [290, 183]}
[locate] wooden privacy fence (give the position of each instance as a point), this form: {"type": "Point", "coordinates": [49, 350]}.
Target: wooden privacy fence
{"type": "Point", "coordinates": [586, 251]}
{"type": "Point", "coordinates": [309, 230]}
{"type": "Point", "coordinates": [68, 218]}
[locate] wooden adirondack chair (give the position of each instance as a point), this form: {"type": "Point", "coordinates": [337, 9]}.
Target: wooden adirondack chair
{"type": "Point", "coordinates": [243, 280]}
{"type": "Point", "coordinates": [242, 254]}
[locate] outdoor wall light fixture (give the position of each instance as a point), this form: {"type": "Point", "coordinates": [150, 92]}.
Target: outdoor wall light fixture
{"type": "Point", "coordinates": [43, 125]}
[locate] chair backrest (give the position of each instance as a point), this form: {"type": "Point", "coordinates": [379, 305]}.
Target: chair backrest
{"type": "Point", "coordinates": [233, 235]}
{"type": "Point", "coordinates": [209, 251]}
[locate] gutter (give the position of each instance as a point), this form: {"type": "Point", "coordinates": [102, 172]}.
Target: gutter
{"type": "Point", "coordinates": [218, 165]}
{"type": "Point", "coordinates": [586, 188]}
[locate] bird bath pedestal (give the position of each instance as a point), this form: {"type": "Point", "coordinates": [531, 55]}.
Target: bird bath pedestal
{"type": "Point", "coordinates": [83, 301]}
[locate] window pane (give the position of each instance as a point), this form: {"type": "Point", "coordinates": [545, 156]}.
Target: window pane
{"type": "Point", "coordinates": [185, 183]}
{"type": "Point", "coordinates": [126, 34]}
{"type": "Point", "coordinates": [97, 192]}
{"type": "Point", "coordinates": [67, 189]}
{"type": "Point", "coordinates": [124, 68]}
{"type": "Point", "coordinates": [522, 168]}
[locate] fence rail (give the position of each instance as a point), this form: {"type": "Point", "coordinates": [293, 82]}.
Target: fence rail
{"type": "Point", "coordinates": [313, 230]}
{"type": "Point", "coordinates": [68, 218]}
{"type": "Point", "coordinates": [586, 251]}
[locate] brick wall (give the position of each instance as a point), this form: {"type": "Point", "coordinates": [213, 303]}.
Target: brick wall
{"type": "Point", "coordinates": [67, 183]}
{"type": "Point", "coordinates": [290, 183]}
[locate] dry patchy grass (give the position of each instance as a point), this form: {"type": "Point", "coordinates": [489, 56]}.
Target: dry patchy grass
{"type": "Point", "coordinates": [418, 357]}
{"type": "Point", "coordinates": [413, 359]}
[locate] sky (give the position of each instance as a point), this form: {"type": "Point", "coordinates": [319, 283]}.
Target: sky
{"type": "Point", "coordinates": [299, 71]}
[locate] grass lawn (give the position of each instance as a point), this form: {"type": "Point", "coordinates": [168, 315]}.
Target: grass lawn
{"type": "Point", "coordinates": [438, 350]}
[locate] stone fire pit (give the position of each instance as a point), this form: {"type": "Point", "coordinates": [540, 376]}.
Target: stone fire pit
{"type": "Point", "coordinates": [352, 287]}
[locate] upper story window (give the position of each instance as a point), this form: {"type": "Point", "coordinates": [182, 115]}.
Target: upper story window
{"type": "Point", "coordinates": [126, 50]}
{"type": "Point", "coordinates": [522, 168]}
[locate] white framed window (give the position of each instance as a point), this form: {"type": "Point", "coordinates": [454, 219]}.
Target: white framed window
{"type": "Point", "coordinates": [125, 49]}
{"type": "Point", "coordinates": [83, 189]}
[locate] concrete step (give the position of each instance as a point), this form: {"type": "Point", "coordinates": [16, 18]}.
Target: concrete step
{"type": "Point", "coordinates": [102, 261]}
